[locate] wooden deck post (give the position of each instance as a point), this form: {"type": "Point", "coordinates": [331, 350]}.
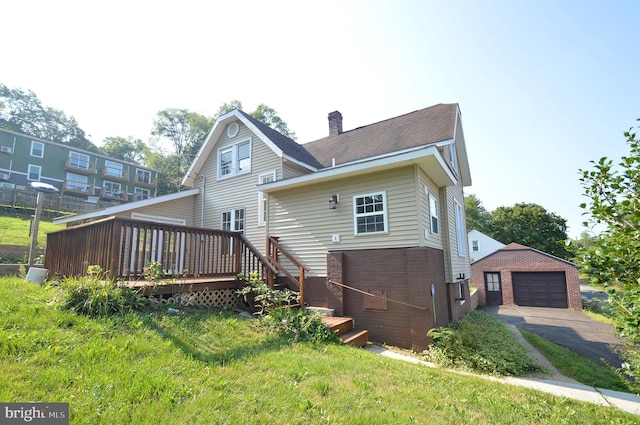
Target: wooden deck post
{"type": "Point", "coordinates": [114, 249]}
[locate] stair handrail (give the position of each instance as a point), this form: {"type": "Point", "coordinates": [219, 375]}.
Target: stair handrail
{"type": "Point", "coordinates": [263, 260]}
{"type": "Point", "coordinates": [273, 248]}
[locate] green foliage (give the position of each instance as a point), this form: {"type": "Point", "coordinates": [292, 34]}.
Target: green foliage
{"type": "Point", "coordinates": [613, 194]}
{"type": "Point", "coordinates": [274, 307]}
{"type": "Point", "coordinates": [23, 112]}
{"type": "Point", "coordinates": [207, 366]}
{"type": "Point", "coordinates": [93, 296]}
{"type": "Point", "coordinates": [263, 297]}
{"type": "Point", "coordinates": [478, 342]}
{"type": "Point", "coordinates": [297, 324]}
{"type": "Point", "coordinates": [477, 216]}
{"type": "Point", "coordinates": [127, 149]}
{"type": "Point", "coordinates": [530, 225]}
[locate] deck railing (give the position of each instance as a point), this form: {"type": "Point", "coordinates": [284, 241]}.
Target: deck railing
{"type": "Point", "coordinates": [124, 247]}
{"type": "Point", "coordinates": [273, 250]}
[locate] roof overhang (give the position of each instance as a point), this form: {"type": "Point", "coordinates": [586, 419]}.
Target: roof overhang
{"type": "Point", "coordinates": [124, 207]}
{"type": "Point", "coordinates": [428, 158]}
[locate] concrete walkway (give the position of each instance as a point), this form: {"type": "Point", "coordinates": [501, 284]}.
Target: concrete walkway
{"type": "Point", "coordinates": [558, 385]}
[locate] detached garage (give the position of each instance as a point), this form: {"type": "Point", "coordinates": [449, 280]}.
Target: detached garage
{"type": "Point", "coordinates": [520, 275]}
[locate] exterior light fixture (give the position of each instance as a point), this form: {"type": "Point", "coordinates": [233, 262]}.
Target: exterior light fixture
{"type": "Point", "coordinates": [333, 202]}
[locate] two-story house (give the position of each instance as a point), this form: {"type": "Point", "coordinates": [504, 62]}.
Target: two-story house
{"type": "Point", "coordinates": [76, 172]}
{"type": "Point", "coordinates": [375, 214]}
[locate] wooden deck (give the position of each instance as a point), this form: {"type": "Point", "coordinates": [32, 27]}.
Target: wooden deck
{"type": "Point", "coordinates": [191, 284]}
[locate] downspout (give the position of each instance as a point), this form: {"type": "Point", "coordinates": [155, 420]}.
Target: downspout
{"type": "Point", "coordinates": [204, 182]}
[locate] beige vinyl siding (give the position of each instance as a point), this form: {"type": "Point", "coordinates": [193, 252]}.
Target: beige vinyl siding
{"type": "Point", "coordinates": [236, 192]}
{"type": "Point", "coordinates": [178, 208]}
{"type": "Point", "coordinates": [428, 186]}
{"type": "Point", "coordinates": [458, 264]}
{"type": "Point", "coordinates": [291, 170]}
{"type": "Point", "coordinates": [305, 224]}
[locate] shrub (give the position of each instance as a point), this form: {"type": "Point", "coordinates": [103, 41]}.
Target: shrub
{"type": "Point", "coordinates": [93, 296]}
{"type": "Point", "coordinates": [274, 307]}
{"type": "Point", "coordinates": [479, 342]}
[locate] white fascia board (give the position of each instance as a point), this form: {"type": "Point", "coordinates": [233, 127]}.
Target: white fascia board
{"type": "Point", "coordinates": [416, 156]}
{"type": "Point", "coordinates": [125, 207]}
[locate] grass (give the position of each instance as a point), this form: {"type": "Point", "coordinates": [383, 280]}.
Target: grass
{"type": "Point", "coordinates": [214, 367]}
{"type": "Point", "coordinates": [574, 366]}
{"type": "Point", "coordinates": [15, 231]}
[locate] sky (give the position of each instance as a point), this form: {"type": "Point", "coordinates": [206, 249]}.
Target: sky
{"type": "Point", "coordinates": [544, 86]}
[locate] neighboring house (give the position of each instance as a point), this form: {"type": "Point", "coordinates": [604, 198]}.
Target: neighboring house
{"type": "Point", "coordinates": [378, 209]}
{"type": "Point", "coordinates": [75, 172]}
{"type": "Point", "coordinates": [481, 245]}
{"type": "Point", "coordinates": [519, 275]}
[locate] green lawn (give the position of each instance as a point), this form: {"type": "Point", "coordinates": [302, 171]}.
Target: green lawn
{"type": "Point", "coordinates": [213, 367]}
{"type": "Point", "coordinates": [15, 231]}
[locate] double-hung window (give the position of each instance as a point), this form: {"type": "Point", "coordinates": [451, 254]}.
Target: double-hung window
{"type": "Point", "coordinates": [34, 172]}
{"type": "Point", "coordinates": [370, 213]}
{"type": "Point", "coordinates": [262, 197]}
{"type": "Point", "coordinates": [234, 159]}
{"type": "Point", "coordinates": [460, 230]}
{"type": "Point", "coordinates": [37, 149]}
{"type": "Point", "coordinates": [233, 220]}
{"type": "Point", "coordinates": [114, 169]}
{"type": "Point", "coordinates": [433, 212]}
{"type": "Point", "coordinates": [141, 194]}
{"type": "Point", "coordinates": [79, 160]}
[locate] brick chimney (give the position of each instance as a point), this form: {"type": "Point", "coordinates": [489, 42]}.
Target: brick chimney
{"type": "Point", "coordinates": [335, 123]}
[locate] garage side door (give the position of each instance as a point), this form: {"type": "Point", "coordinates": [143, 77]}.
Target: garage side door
{"type": "Point", "coordinates": [540, 289]}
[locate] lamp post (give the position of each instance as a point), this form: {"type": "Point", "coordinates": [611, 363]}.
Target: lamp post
{"type": "Point", "coordinates": [41, 188]}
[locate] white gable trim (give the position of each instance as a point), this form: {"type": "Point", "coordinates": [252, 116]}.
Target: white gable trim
{"type": "Point", "coordinates": [215, 133]}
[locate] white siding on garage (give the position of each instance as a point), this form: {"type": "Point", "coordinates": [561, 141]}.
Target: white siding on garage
{"type": "Point", "coordinates": [305, 224]}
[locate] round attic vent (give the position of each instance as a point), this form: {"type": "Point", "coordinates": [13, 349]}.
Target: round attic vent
{"type": "Point", "coordinates": [232, 129]}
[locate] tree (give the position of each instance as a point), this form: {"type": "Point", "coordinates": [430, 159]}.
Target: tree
{"type": "Point", "coordinates": [24, 113]}
{"type": "Point", "coordinates": [270, 117]}
{"type": "Point", "coordinates": [129, 149]}
{"type": "Point", "coordinates": [185, 130]}
{"type": "Point", "coordinates": [613, 261]}
{"type": "Point", "coordinates": [477, 215]}
{"type": "Point", "coordinates": [170, 174]}
{"type": "Point", "coordinates": [530, 225]}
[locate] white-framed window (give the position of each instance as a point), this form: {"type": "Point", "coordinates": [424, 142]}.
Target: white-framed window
{"type": "Point", "coordinates": [370, 213]}
{"type": "Point", "coordinates": [460, 233]}
{"type": "Point", "coordinates": [37, 149]}
{"type": "Point", "coordinates": [34, 172]}
{"type": "Point", "coordinates": [433, 212]}
{"type": "Point", "coordinates": [79, 160]}
{"type": "Point", "coordinates": [234, 159]}
{"type": "Point", "coordinates": [262, 197]}
{"type": "Point", "coordinates": [77, 181]}
{"type": "Point", "coordinates": [233, 220]}
{"type": "Point", "coordinates": [112, 189]}
{"type": "Point", "coordinates": [113, 168]}
{"type": "Point", "coordinates": [232, 129]}
{"type": "Point", "coordinates": [143, 176]}
{"type": "Point", "coordinates": [453, 156]}
{"type": "Point", "coordinates": [141, 194]}
{"type": "Point", "coordinates": [475, 246]}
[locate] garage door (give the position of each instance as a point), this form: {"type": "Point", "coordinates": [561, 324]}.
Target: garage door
{"type": "Point", "coordinates": [540, 289]}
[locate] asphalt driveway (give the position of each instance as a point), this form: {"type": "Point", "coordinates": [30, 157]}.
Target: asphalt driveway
{"type": "Point", "coordinates": [568, 328]}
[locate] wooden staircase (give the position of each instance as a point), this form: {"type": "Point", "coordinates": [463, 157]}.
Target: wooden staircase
{"type": "Point", "coordinates": [343, 326]}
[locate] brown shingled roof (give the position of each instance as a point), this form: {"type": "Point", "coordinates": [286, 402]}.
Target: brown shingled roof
{"type": "Point", "coordinates": [419, 128]}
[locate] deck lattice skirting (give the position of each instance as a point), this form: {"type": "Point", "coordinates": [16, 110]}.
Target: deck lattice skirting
{"type": "Point", "coordinates": [217, 298]}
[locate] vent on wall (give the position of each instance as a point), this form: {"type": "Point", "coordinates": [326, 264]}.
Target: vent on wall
{"type": "Point", "coordinates": [6, 149]}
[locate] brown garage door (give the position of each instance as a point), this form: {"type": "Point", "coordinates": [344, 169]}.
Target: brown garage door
{"type": "Point", "coordinates": [540, 289]}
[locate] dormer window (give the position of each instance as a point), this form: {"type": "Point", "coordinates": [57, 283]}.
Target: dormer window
{"type": "Point", "coordinates": [234, 159]}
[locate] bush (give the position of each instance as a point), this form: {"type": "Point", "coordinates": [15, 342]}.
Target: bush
{"type": "Point", "coordinates": [478, 342]}
{"type": "Point", "coordinates": [93, 296]}
{"type": "Point", "coordinates": [279, 312]}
